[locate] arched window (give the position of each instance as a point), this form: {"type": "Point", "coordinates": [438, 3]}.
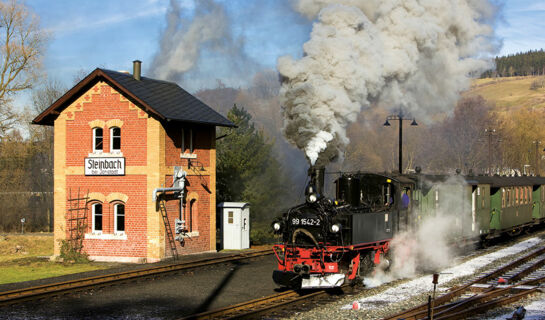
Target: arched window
{"type": "Point", "coordinates": [96, 209]}
{"type": "Point", "coordinates": [119, 218]}
{"type": "Point", "coordinates": [97, 140]}
{"type": "Point", "coordinates": [192, 225]}
{"type": "Point", "coordinates": [115, 139]}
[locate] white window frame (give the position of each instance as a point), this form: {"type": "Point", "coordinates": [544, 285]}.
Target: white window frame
{"type": "Point", "coordinates": [93, 208]}
{"type": "Point", "coordinates": [112, 150]}
{"type": "Point", "coordinates": [118, 232]}
{"type": "Point", "coordinates": [95, 140]}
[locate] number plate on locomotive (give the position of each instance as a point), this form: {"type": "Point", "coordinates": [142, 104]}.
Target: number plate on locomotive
{"type": "Point", "coordinates": [305, 222]}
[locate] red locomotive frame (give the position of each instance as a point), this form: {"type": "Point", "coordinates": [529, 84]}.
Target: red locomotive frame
{"type": "Point", "coordinates": [313, 257]}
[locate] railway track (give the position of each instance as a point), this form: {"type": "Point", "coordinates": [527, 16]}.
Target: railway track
{"type": "Point", "coordinates": [522, 277]}
{"type": "Point", "coordinates": [521, 268]}
{"type": "Point", "coordinates": [256, 308]}
{"type": "Point", "coordinates": [67, 287]}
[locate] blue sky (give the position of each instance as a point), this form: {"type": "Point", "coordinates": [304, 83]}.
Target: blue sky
{"type": "Point", "coordinates": [110, 34]}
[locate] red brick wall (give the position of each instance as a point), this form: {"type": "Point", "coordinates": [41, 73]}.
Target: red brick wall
{"type": "Point", "coordinates": [197, 184]}
{"type": "Point", "coordinates": [134, 187]}
{"type": "Point", "coordinates": [173, 144]}
{"type": "Point", "coordinates": [103, 103]}
{"type": "Point", "coordinates": [106, 106]}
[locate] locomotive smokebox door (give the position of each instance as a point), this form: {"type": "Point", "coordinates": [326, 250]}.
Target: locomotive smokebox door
{"type": "Point", "coordinates": [235, 225]}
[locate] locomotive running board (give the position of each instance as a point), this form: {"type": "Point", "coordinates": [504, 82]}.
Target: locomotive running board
{"type": "Point", "coordinates": [318, 281]}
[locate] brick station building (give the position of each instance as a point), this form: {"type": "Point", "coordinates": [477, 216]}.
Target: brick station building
{"type": "Point", "coordinates": [118, 137]}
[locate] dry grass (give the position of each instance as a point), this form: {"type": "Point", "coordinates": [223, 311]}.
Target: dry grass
{"type": "Point", "coordinates": [510, 94]}
{"type": "Point", "coordinates": [25, 257]}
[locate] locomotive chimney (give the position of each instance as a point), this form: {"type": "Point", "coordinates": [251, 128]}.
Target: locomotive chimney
{"type": "Point", "coordinates": [316, 175]}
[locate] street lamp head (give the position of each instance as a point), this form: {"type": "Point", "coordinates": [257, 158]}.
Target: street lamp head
{"type": "Point", "coordinates": [414, 122]}
{"type": "Point", "coordinates": [386, 124]}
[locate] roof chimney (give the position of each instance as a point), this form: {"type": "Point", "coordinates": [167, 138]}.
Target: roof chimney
{"type": "Point", "coordinates": [136, 67]}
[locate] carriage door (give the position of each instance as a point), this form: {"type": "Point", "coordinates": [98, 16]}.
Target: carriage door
{"type": "Point", "coordinates": [405, 205]}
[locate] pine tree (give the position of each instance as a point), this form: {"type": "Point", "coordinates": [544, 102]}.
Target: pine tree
{"type": "Point", "coordinates": [247, 170]}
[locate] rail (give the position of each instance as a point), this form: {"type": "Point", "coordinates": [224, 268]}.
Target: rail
{"type": "Point", "coordinates": [258, 307]}
{"type": "Point", "coordinates": [38, 292]}
{"type": "Point", "coordinates": [491, 295]}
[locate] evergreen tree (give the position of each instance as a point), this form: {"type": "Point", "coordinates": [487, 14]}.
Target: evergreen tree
{"type": "Point", "coordinates": [247, 170]}
{"type": "Point", "coordinates": [529, 63]}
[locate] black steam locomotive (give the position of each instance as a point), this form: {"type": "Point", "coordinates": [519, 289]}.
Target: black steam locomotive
{"type": "Point", "coordinates": [326, 243]}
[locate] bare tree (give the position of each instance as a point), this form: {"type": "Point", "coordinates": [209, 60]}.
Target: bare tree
{"type": "Point", "coordinates": [459, 141]}
{"type": "Point", "coordinates": [21, 49]}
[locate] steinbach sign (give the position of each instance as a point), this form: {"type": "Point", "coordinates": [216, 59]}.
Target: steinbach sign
{"type": "Point", "coordinates": [105, 166]}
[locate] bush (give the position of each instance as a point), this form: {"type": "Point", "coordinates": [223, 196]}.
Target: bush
{"type": "Point", "coordinates": [261, 234]}
{"type": "Point", "coordinates": [536, 84]}
{"type": "Point", "coordinates": [70, 254]}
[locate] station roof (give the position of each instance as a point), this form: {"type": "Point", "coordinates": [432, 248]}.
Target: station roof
{"type": "Point", "coordinates": [162, 99]}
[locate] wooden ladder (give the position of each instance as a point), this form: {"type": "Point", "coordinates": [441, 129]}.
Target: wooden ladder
{"type": "Point", "coordinates": [168, 229]}
{"type": "Point", "coordinates": [77, 219]}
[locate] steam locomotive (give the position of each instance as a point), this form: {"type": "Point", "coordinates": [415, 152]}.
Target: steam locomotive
{"type": "Point", "coordinates": [326, 243]}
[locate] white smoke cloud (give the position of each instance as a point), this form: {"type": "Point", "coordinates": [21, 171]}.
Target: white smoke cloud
{"type": "Point", "coordinates": [180, 45]}
{"type": "Point", "coordinates": [411, 251]}
{"type": "Point", "coordinates": [201, 50]}
{"type": "Point", "coordinates": [412, 56]}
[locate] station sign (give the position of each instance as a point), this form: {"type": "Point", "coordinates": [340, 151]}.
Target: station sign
{"type": "Point", "coordinates": [105, 166]}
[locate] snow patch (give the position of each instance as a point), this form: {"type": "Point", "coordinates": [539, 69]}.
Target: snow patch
{"type": "Point", "coordinates": [424, 284]}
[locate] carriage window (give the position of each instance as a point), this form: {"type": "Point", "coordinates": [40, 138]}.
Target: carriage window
{"type": "Point", "coordinates": [482, 198]}
{"type": "Point", "coordinates": [503, 197]}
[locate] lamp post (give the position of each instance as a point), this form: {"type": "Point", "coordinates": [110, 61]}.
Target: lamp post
{"type": "Point", "coordinates": [400, 118]}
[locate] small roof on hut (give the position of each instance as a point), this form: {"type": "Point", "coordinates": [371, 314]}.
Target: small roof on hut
{"type": "Point", "coordinates": [162, 99]}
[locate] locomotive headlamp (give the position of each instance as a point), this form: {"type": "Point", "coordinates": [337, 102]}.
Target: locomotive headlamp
{"type": "Point", "coordinates": [310, 193]}
{"type": "Point", "coordinates": [336, 228]}
{"type": "Point", "coordinates": [277, 226]}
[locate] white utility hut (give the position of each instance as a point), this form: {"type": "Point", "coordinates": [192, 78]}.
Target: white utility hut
{"type": "Point", "coordinates": [235, 225]}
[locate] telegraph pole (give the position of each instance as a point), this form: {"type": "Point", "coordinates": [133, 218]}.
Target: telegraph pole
{"type": "Point", "coordinates": [490, 133]}
{"type": "Point", "coordinates": [537, 143]}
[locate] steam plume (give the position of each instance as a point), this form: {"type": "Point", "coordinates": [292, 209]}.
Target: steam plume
{"type": "Point", "coordinates": [180, 47]}
{"type": "Point", "coordinates": [411, 249]}
{"type": "Point", "coordinates": [412, 56]}
{"type": "Point", "coordinates": [202, 49]}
